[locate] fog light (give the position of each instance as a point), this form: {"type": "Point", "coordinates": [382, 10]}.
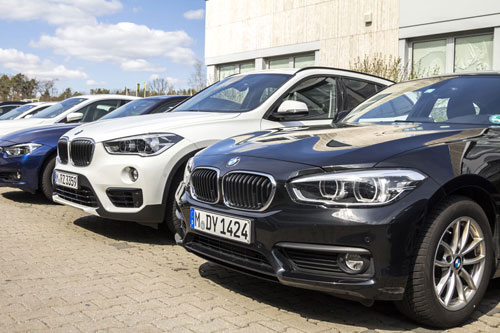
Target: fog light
{"type": "Point", "coordinates": [18, 175]}
{"type": "Point", "coordinates": [134, 174]}
{"type": "Point", "coordinates": [353, 263]}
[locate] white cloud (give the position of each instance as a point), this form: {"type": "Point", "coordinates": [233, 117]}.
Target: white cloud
{"type": "Point", "coordinates": [153, 77]}
{"type": "Point", "coordinates": [128, 44]}
{"type": "Point", "coordinates": [32, 66]}
{"type": "Point", "coordinates": [58, 12]}
{"type": "Point", "coordinates": [95, 83]}
{"type": "Point", "coordinates": [197, 14]}
{"type": "Point", "coordinates": [140, 65]}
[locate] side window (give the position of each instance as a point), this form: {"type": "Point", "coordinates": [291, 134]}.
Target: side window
{"type": "Point", "coordinates": [357, 91]}
{"type": "Point", "coordinates": [320, 96]}
{"type": "Point", "coordinates": [99, 109]}
{"type": "Point", "coordinates": [167, 106]}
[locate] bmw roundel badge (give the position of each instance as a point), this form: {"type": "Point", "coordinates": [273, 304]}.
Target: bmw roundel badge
{"type": "Point", "coordinates": [233, 161]}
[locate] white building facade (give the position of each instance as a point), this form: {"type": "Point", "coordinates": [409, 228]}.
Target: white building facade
{"type": "Point", "coordinates": [432, 36]}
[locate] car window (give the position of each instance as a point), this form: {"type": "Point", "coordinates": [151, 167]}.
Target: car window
{"type": "Point", "coordinates": [16, 111]}
{"type": "Point", "coordinates": [320, 96]}
{"type": "Point", "coordinates": [167, 106]}
{"type": "Point", "coordinates": [239, 93]}
{"type": "Point", "coordinates": [6, 108]}
{"type": "Point", "coordinates": [58, 108]}
{"type": "Point", "coordinates": [135, 107]}
{"type": "Point", "coordinates": [468, 99]}
{"type": "Point", "coordinates": [98, 109]}
{"type": "Point", "coordinates": [357, 91]}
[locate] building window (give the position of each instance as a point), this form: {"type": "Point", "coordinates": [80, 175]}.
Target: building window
{"type": "Point", "coordinates": [296, 61]}
{"type": "Point", "coordinates": [474, 53]}
{"type": "Point", "coordinates": [226, 70]}
{"type": "Point", "coordinates": [430, 56]}
{"type": "Point", "coordinates": [453, 54]}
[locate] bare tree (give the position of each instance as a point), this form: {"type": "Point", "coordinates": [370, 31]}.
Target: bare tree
{"type": "Point", "coordinates": [197, 81]}
{"type": "Point", "coordinates": [160, 86]}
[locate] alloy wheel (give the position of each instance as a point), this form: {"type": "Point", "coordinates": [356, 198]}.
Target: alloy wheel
{"type": "Point", "coordinates": [459, 263]}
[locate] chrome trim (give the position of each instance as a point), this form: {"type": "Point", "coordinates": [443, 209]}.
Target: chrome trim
{"type": "Point", "coordinates": [69, 151]}
{"type": "Point", "coordinates": [193, 194]}
{"type": "Point", "coordinates": [271, 196]}
{"type": "Point", "coordinates": [323, 248]}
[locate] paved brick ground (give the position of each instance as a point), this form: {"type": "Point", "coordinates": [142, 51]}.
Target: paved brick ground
{"type": "Point", "coordinates": [63, 271]}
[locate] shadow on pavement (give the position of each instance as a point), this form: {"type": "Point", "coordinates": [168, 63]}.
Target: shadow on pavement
{"type": "Point", "coordinates": [125, 231]}
{"type": "Point", "coordinates": [320, 306]}
{"type": "Point", "coordinates": [27, 198]}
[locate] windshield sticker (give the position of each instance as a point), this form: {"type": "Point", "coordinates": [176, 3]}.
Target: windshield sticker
{"type": "Point", "coordinates": [495, 119]}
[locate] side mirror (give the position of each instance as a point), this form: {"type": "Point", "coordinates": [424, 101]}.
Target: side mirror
{"type": "Point", "coordinates": [291, 109]}
{"type": "Point", "coordinates": [28, 116]}
{"type": "Point", "coordinates": [74, 117]}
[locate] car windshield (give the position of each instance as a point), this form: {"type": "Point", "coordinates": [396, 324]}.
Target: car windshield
{"type": "Point", "coordinates": [468, 99]}
{"type": "Point", "coordinates": [133, 108]}
{"type": "Point", "coordinates": [238, 93]}
{"type": "Point", "coordinates": [14, 113]}
{"type": "Point", "coordinates": [58, 108]}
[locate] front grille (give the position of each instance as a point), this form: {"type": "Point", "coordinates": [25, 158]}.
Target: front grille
{"type": "Point", "coordinates": [84, 196]}
{"type": "Point", "coordinates": [81, 151]}
{"type": "Point", "coordinates": [62, 150]}
{"type": "Point", "coordinates": [322, 262]}
{"type": "Point", "coordinates": [233, 250]}
{"type": "Point", "coordinates": [204, 185]}
{"type": "Point", "coordinates": [247, 190]}
{"type": "Point", "coordinates": [126, 198]}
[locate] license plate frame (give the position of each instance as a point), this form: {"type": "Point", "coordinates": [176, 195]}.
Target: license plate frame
{"type": "Point", "coordinates": [237, 229]}
{"type": "Point", "coordinates": [66, 179]}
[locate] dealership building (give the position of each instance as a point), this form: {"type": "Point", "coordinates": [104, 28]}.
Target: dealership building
{"type": "Point", "coordinates": [443, 36]}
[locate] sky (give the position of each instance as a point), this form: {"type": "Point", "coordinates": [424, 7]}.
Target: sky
{"type": "Point", "coordinates": [85, 44]}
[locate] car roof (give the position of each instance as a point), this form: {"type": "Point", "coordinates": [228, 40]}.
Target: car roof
{"type": "Point", "coordinates": [165, 97]}
{"type": "Point", "coordinates": [105, 96]}
{"type": "Point", "coordinates": [294, 71]}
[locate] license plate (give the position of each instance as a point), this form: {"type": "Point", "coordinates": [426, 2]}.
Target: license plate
{"type": "Point", "coordinates": [229, 227]}
{"type": "Point", "coordinates": [66, 179]}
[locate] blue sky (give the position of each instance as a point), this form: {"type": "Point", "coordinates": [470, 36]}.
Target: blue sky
{"type": "Point", "coordinates": [87, 44]}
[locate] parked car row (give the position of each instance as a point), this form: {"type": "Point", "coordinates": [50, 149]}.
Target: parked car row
{"type": "Point", "coordinates": [315, 178]}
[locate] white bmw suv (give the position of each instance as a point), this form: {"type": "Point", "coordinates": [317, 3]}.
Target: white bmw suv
{"type": "Point", "coordinates": [129, 169]}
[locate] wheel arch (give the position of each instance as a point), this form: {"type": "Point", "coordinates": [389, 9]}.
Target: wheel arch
{"type": "Point", "coordinates": [50, 154]}
{"type": "Point", "coordinates": [479, 190]}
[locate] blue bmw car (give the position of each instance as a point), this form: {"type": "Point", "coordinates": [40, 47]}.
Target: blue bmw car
{"type": "Point", "coordinates": [27, 157]}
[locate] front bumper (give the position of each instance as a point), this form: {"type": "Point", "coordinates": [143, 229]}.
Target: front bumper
{"type": "Point", "coordinates": [386, 232]}
{"type": "Point", "coordinates": [109, 172]}
{"type": "Point", "coordinates": [28, 167]}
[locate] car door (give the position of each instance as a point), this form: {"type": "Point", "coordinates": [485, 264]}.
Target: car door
{"type": "Point", "coordinates": [321, 94]}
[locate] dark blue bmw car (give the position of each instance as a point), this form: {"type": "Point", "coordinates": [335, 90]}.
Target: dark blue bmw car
{"type": "Point", "coordinates": [27, 157]}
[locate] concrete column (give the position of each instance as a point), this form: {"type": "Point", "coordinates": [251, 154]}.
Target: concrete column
{"type": "Point", "coordinates": [211, 74]}
{"type": "Point", "coordinates": [260, 64]}
{"type": "Point", "coordinates": [450, 55]}
{"type": "Point", "coordinates": [403, 51]}
{"type": "Point", "coordinates": [316, 58]}
{"type": "Point", "coordinates": [496, 49]}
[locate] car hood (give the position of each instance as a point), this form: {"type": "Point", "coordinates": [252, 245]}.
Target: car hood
{"type": "Point", "coordinates": [342, 145]}
{"type": "Point", "coordinates": [41, 134]}
{"type": "Point", "coordinates": [9, 126]}
{"type": "Point", "coordinates": [169, 122]}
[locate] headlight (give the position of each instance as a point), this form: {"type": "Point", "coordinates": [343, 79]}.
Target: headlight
{"type": "Point", "coordinates": [355, 188]}
{"type": "Point", "coordinates": [20, 149]}
{"type": "Point", "coordinates": [143, 145]}
{"type": "Point", "coordinates": [187, 171]}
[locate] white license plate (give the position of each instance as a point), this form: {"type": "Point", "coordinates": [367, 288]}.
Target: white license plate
{"type": "Point", "coordinates": [230, 227]}
{"type": "Point", "coordinates": [66, 179]}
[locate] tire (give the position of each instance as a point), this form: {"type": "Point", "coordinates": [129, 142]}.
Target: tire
{"type": "Point", "coordinates": [46, 181]}
{"type": "Point", "coordinates": [171, 222]}
{"type": "Point", "coordinates": [434, 261]}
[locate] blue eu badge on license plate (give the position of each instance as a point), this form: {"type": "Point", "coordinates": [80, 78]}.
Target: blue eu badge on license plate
{"type": "Point", "coordinates": [191, 218]}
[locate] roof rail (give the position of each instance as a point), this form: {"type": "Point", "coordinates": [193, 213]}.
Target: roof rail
{"type": "Point", "coordinates": [341, 69]}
